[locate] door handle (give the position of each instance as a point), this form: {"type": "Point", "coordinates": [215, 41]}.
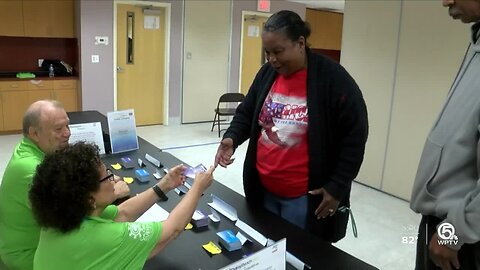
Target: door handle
{"type": "Point", "coordinates": [119, 69]}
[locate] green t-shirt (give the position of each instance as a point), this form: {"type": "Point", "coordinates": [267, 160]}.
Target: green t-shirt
{"type": "Point", "coordinates": [19, 231]}
{"type": "Point", "coordinates": [99, 243]}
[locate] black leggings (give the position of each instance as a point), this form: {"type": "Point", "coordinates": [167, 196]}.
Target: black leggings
{"type": "Point", "coordinates": [468, 255]}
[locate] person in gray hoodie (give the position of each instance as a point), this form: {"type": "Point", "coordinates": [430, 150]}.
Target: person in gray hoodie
{"type": "Point", "coordinates": [447, 186]}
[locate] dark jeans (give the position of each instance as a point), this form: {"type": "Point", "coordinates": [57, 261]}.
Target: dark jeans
{"type": "Point", "coordinates": [293, 210]}
{"type": "Point", "coordinates": [468, 255]}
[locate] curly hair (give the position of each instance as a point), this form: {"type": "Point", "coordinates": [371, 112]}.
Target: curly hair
{"type": "Point", "coordinates": [61, 190]}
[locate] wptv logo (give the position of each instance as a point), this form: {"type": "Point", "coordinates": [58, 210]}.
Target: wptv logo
{"type": "Point", "coordinates": [446, 234]}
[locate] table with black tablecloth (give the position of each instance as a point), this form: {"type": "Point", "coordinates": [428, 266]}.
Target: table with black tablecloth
{"type": "Point", "coordinates": [186, 251]}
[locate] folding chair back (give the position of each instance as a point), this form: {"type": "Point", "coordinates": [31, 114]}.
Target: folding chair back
{"type": "Point", "coordinates": [225, 108]}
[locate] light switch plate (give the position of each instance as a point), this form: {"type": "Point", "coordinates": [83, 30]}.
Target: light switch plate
{"type": "Point", "coordinates": [101, 40]}
{"type": "Point", "coordinates": [95, 58]}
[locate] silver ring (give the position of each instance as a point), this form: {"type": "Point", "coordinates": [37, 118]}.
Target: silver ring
{"type": "Point", "coordinates": [330, 210]}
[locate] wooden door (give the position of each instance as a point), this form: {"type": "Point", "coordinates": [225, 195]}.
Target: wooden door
{"type": "Point", "coordinates": [140, 75]}
{"type": "Point", "coordinates": [11, 18]}
{"type": "Point", "coordinates": [252, 50]}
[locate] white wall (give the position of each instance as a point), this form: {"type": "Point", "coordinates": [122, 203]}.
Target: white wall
{"type": "Point", "coordinates": [207, 44]}
{"type": "Point", "coordinates": [404, 56]}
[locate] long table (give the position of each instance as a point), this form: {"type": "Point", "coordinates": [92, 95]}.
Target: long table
{"type": "Point", "coordinates": [186, 251]}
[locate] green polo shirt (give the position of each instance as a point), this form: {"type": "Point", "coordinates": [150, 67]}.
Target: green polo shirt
{"type": "Point", "coordinates": [99, 243]}
{"type": "Point", "coordinates": [19, 232]}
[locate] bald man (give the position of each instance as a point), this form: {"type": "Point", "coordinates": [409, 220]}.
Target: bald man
{"type": "Point", "coordinates": [45, 129]}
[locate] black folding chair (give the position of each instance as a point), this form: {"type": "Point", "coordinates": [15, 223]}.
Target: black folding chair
{"type": "Point", "coordinates": [226, 108]}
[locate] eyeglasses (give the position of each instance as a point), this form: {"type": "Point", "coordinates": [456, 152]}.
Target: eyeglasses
{"type": "Point", "coordinates": [110, 176]}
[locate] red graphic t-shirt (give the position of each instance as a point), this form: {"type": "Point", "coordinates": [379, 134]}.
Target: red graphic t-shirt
{"type": "Point", "coordinates": [282, 154]}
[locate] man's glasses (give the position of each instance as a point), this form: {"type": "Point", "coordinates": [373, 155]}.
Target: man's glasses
{"type": "Point", "coordinates": [110, 176]}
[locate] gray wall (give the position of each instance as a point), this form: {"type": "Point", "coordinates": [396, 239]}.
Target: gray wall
{"type": "Point", "coordinates": [250, 5]}
{"type": "Point", "coordinates": [96, 19]}
{"type": "Point", "coordinates": [404, 63]}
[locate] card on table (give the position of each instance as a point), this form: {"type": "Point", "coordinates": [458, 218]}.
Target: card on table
{"type": "Point", "coordinates": [127, 163]}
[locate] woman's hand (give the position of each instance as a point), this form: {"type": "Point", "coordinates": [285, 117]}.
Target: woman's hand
{"type": "Point", "coordinates": [204, 180]}
{"type": "Point", "coordinates": [224, 153]}
{"type": "Point", "coordinates": [121, 189]}
{"type": "Point", "coordinates": [173, 178]}
{"type": "Point", "coordinates": [328, 206]}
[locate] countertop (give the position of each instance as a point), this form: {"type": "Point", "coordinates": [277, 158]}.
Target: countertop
{"type": "Point", "coordinates": [41, 78]}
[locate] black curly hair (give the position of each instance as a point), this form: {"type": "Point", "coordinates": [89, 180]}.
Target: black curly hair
{"type": "Point", "coordinates": [289, 23]}
{"type": "Point", "coordinates": [61, 188]}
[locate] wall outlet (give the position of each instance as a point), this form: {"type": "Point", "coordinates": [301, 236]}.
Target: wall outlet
{"type": "Point", "coordinates": [40, 61]}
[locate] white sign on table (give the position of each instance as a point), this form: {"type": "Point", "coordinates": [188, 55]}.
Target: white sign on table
{"type": "Point", "coordinates": [87, 132]}
{"type": "Point", "coordinates": [272, 258]}
{"type": "Point", "coordinates": [123, 131]}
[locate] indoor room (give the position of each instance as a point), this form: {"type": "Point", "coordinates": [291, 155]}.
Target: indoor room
{"type": "Point", "coordinates": [168, 62]}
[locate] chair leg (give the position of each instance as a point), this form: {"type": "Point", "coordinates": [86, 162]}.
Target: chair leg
{"type": "Point", "coordinates": [218, 125]}
{"type": "Point", "coordinates": [213, 124]}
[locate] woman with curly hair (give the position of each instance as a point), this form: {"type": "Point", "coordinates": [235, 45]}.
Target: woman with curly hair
{"type": "Point", "coordinates": [71, 200]}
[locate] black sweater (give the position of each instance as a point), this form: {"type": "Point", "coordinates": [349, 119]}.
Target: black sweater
{"type": "Point", "coordinates": [337, 132]}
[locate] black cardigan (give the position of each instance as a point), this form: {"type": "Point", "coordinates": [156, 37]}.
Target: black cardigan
{"type": "Point", "coordinates": [337, 133]}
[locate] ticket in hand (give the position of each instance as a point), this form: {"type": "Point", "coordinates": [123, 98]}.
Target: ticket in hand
{"type": "Point", "coordinates": [192, 171]}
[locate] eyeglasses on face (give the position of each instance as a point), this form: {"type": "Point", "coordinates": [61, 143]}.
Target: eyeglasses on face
{"type": "Point", "coordinates": [109, 176]}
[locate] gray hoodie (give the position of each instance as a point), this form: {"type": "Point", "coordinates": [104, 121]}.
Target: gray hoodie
{"type": "Point", "coordinates": [447, 184]}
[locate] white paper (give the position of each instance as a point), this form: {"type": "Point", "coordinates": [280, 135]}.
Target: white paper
{"type": "Point", "coordinates": [197, 215]}
{"type": "Point", "coordinates": [294, 261]}
{"type": "Point", "coordinates": [154, 213]}
{"type": "Point", "coordinates": [87, 132]}
{"type": "Point", "coordinates": [243, 239]}
{"type": "Point", "coordinates": [123, 132]}
{"type": "Point", "coordinates": [251, 232]}
{"type": "Point", "coordinates": [270, 242]}
{"type": "Point", "coordinates": [151, 22]}
{"type": "Point", "coordinates": [272, 257]}
{"type": "Point", "coordinates": [153, 160]}
{"type": "Point", "coordinates": [253, 31]}
{"type": "Point", "coordinates": [214, 216]}
{"type": "Point", "coordinates": [223, 208]}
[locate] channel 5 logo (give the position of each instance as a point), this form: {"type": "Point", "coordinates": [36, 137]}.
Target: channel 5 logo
{"type": "Point", "coordinates": [446, 234]}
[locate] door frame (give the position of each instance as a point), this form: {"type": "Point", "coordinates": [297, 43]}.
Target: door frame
{"type": "Point", "coordinates": [166, 83]}
{"type": "Point", "coordinates": [247, 13]}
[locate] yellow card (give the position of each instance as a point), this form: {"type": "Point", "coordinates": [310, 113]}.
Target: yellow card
{"type": "Point", "coordinates": [128, 180]}
{"type": "Point", "coordinates": [189, 226]}
{"type": "Point", "coordinates": [116, 166]}
{"type": "Point", "coordinates": [212, 248]}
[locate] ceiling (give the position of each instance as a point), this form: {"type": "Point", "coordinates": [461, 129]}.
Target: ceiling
{"type": "Point", "coordinates": [331, 5]}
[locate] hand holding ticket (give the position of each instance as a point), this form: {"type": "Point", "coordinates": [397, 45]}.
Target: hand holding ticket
{"type": "Point", "coordinates": [192, 171]}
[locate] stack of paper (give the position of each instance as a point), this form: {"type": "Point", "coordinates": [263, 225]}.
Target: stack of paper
{"type": "Point", "coordinates": [199, 219]}
{"type": "Point", "coordinates": [142, 175]}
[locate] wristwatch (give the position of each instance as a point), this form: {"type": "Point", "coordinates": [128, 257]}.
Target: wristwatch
{"type": "Point", "coordinates": [160, 193]}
